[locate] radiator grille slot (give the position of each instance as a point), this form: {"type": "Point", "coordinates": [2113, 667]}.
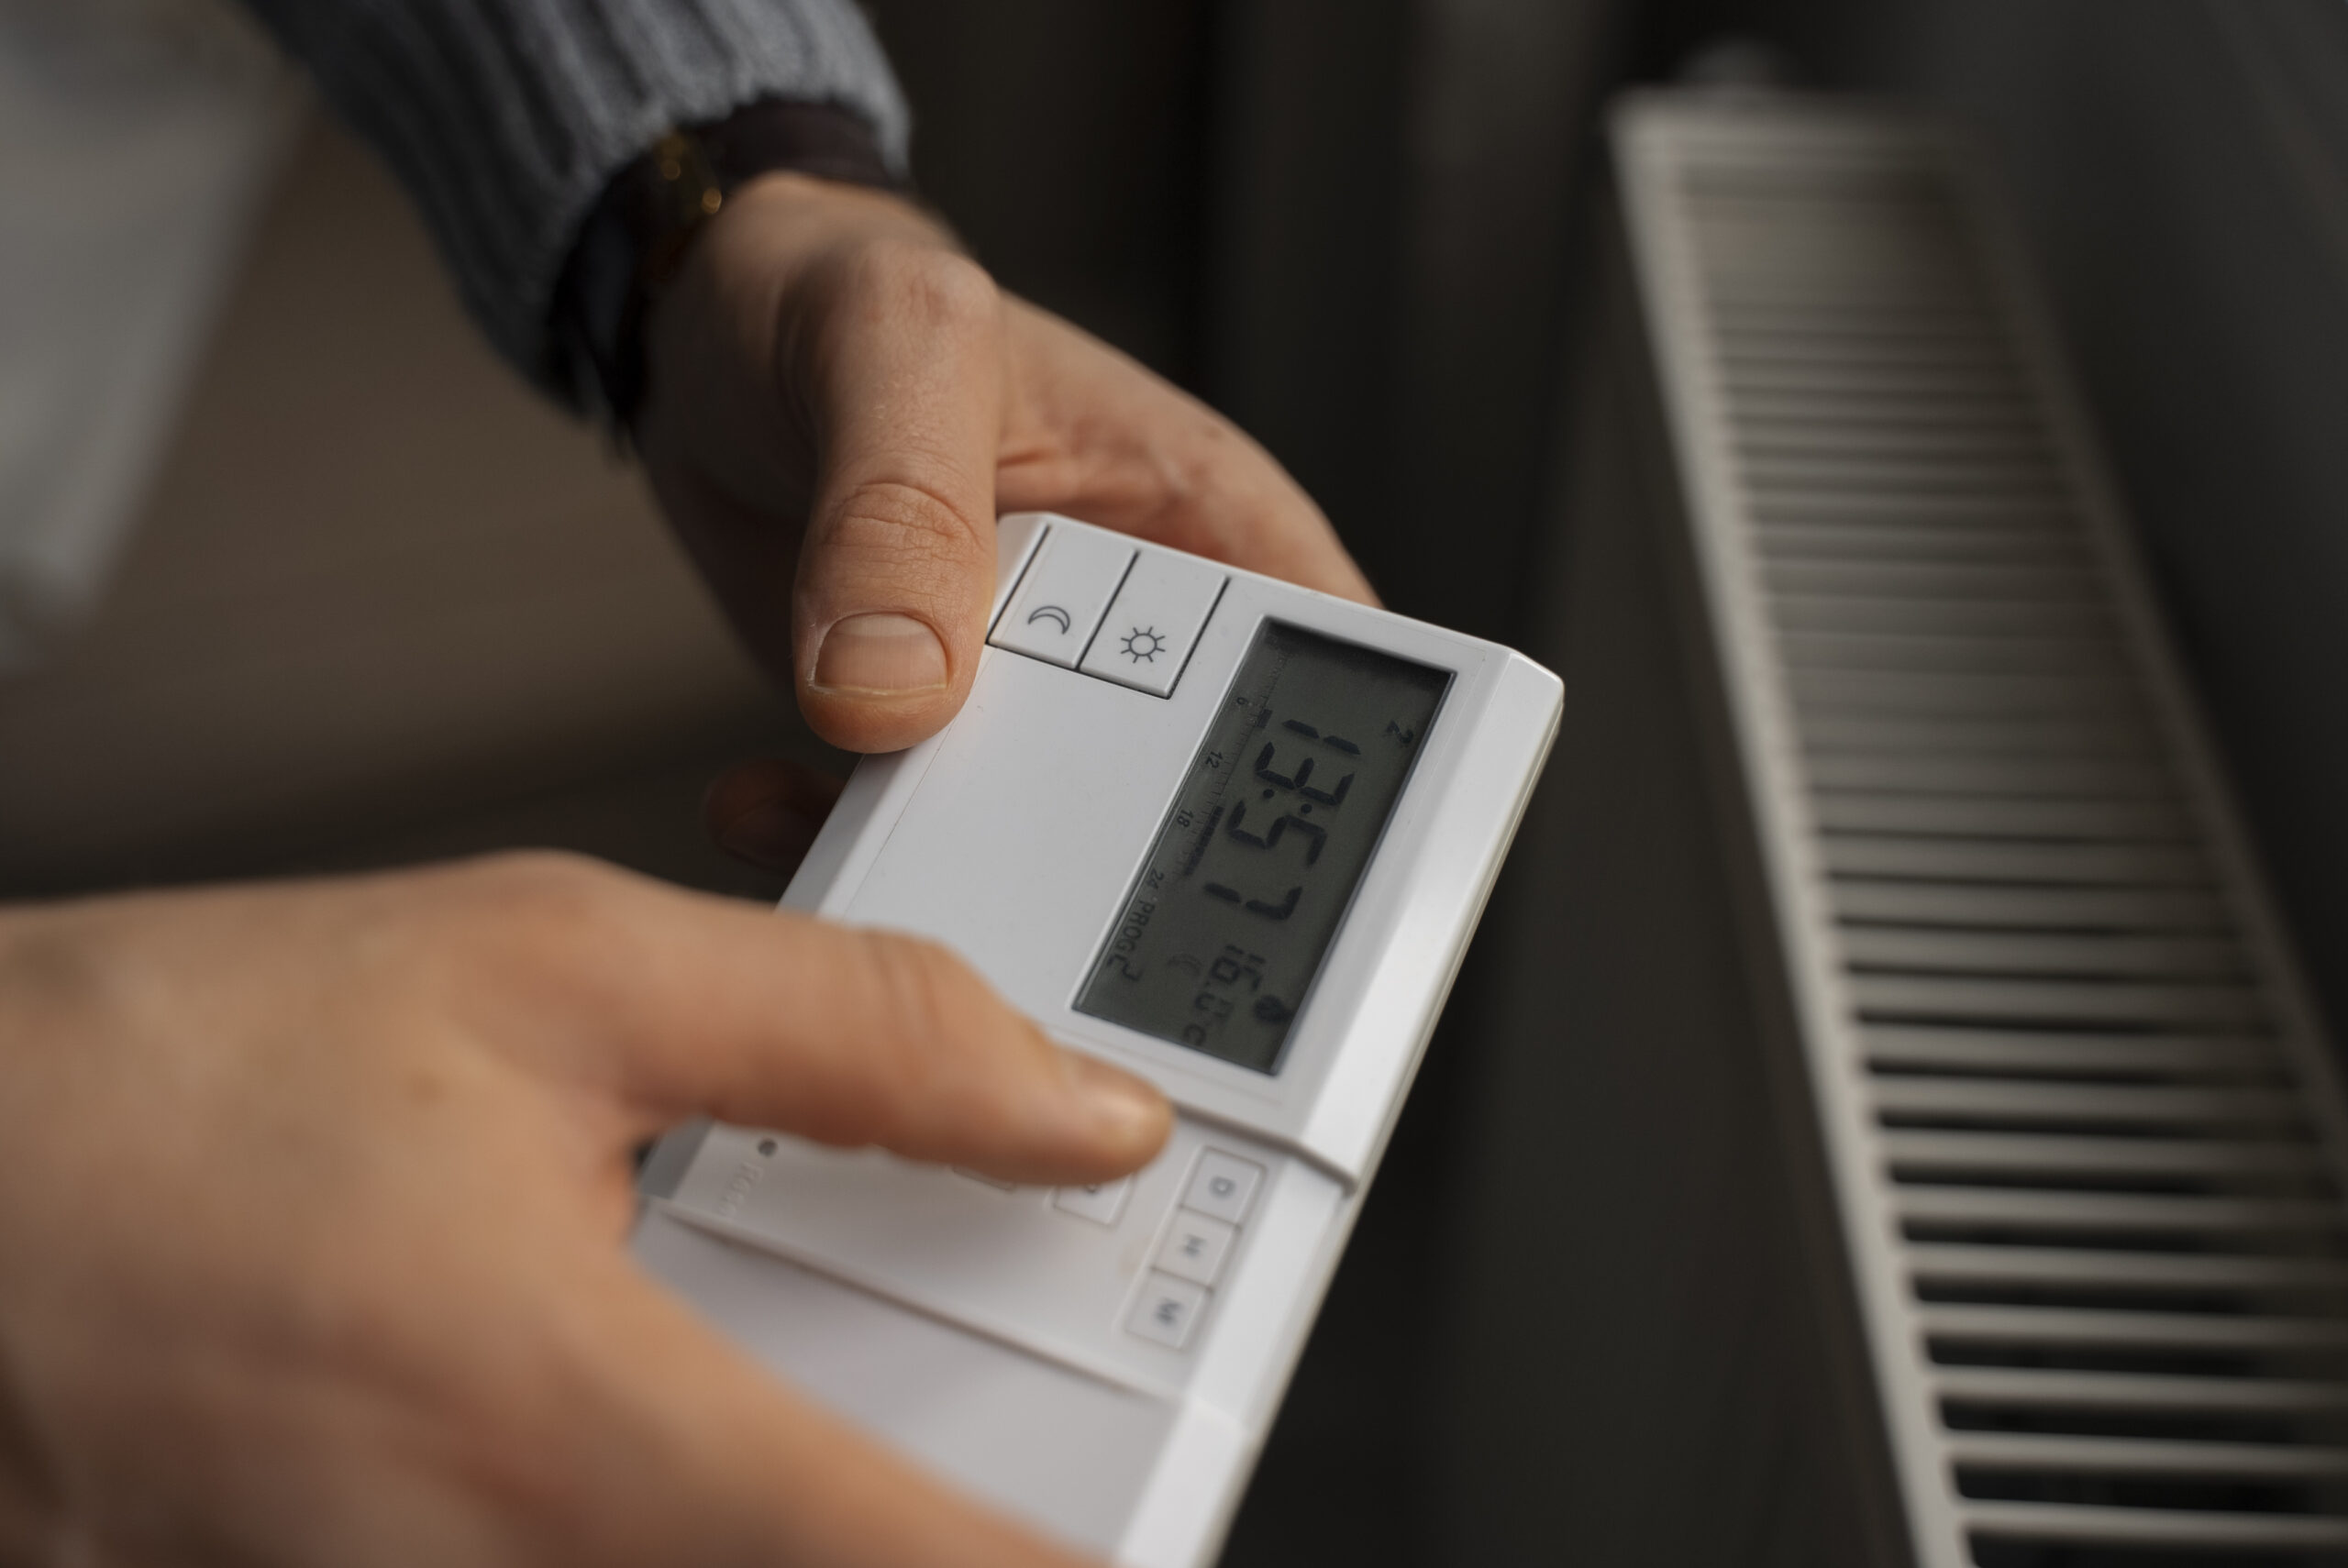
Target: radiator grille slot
{"type": "Point", "coordinates": [2088, 1143]}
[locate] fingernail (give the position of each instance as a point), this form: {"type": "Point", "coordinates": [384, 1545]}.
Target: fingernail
{"type": "Point", "coordinates": [1126, 1109]}
{"type": "Point", "coordinates": [771, 834]}
{"type": "Point", "coordinates": [884, 654]}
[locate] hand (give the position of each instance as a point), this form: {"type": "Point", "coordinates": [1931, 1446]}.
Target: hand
{"type": "Point", "coordinates": [311, 1242]}
{"type": "Point", "coordinates": [828, 367]}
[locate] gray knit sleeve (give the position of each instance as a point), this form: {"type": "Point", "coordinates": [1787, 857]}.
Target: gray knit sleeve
{"type": "Point", "coordinates": [505, 119]}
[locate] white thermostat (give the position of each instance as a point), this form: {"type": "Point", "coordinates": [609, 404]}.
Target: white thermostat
{"type": "Point", "coordinates": [1224, 832]}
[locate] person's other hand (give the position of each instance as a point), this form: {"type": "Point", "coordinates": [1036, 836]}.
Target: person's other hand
{"type": "Point", "coordinates": [829, 367]}
{"type": "Point", "coordinates": [312, 1239]}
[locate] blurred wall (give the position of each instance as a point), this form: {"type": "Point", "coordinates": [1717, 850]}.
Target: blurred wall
{"type": "Point", "coordinates": [383, 602]}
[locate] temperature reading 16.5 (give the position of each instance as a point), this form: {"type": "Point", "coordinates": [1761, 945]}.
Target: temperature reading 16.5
{"type": "Point", "coordinates": [1221, 935]}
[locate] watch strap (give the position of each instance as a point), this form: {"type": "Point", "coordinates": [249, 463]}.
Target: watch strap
{"type": "Point", "coordinates": [644, 224]}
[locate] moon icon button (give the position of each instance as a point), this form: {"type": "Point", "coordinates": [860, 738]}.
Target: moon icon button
{"type": "Point", "coordinates": [1063, 593]}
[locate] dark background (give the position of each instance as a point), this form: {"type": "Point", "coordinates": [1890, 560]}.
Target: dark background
{"type": "Point", "coordinates": [1364, 228]}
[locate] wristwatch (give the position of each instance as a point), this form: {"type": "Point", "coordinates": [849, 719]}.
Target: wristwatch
{"type": "Point", "coordinates": [641, 229]}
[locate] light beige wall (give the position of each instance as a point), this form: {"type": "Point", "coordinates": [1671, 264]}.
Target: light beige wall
{"type": "Point", "coordinates": [380, 587]}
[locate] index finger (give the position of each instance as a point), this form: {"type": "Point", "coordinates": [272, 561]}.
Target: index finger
{"type": "Point", "coordinates": [700, 1005]}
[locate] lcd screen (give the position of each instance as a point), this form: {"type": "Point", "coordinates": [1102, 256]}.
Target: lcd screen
{"type": "Point", "coordinates": [1218, 941]}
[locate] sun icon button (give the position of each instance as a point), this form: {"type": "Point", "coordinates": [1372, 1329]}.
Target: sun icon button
{"type": "Point", "coordinates": [1155, 622]}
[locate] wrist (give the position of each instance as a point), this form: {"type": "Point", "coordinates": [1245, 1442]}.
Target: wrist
{"type": "Point", "coordinates": [784, 225]}
{"type": "Point", "coordinates": [740, 345]}
{"type": "Point", "coordinates": [652, 215]}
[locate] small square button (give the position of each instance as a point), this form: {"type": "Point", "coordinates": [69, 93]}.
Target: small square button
{"type": "Point", "coordinates": [1223, 1186]}
{"type": "Point", "coordinates": [1060, 599]}
{"type": "Point", "coordinates": [1195, 1247]}
{"type": "Point", "coordinates": [1101, 1203]}
{"type": "Point", "coordinates": [1168, 1310]}
{"type": "Point", "coordinates": [1155, 622]}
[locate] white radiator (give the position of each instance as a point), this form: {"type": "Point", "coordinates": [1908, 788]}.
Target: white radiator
{"type": "Point", "coordinates": [2083, 1138]}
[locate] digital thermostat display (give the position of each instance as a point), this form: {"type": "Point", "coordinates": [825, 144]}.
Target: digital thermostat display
{"type": "Point", "coordinates": [1220, 937]}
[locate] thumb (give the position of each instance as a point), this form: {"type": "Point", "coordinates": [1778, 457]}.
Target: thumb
{"type": "Point", "coordinates": [851, 1037]}
{"type": "Point", "coordinates": [901, 363]}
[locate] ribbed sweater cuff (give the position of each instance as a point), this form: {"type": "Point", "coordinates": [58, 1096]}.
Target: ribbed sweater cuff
{"type": "Point", "coordinates": [505, 119]}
